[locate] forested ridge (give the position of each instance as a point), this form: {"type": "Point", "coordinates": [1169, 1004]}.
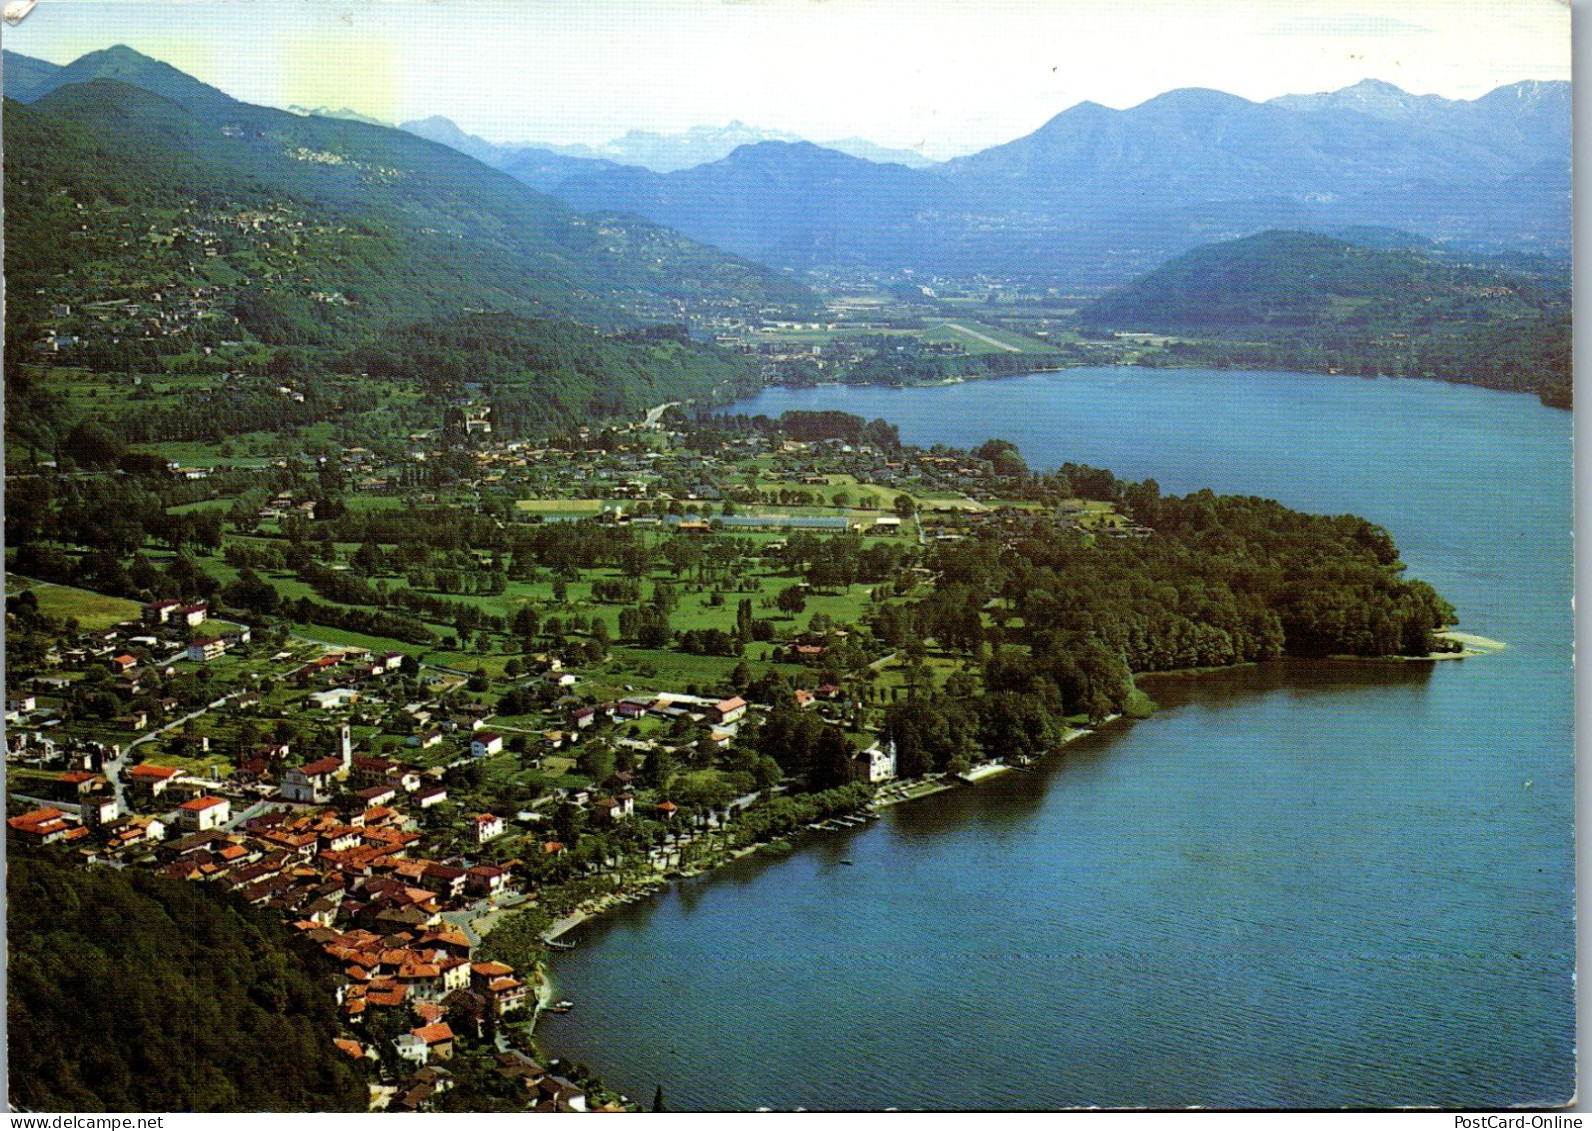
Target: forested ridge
{"type": "Point", "coordinates": [1300, 300]}
{"type": "Point", "coordinates": [1212, 581]}
{"type": "Point", "coordinates": [130, 992]}
{"type": "Point", "coordinates": [542, 374]}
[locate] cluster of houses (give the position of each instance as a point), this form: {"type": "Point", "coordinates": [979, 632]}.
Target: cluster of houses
{"type": "Point", "coordinates": [359, 886]}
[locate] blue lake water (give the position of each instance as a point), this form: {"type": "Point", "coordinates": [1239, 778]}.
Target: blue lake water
{"type": "Point", "coordinates": [1295, 885]}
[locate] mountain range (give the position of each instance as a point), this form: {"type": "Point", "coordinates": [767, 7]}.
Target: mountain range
{"type": "Point", "coordinates": [1097, 195]}
{"type": "Point", "coordinates": [698, 145]}
{"type": "Point", "coordinates": [1092, 198]}
{"type": "Point", "coordinates": [317, 227]}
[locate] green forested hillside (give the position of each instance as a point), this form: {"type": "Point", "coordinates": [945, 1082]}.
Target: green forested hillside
{"type": "Point", "coordinates": [198, 252]}
{"type": "Point", "coordinates": [1303, 300]}
{"type": "Point", "coordinates": [312, 228]}
{"type": "Point", "coordinates": [538, 373]}
{"type": "Point", "coordinates": [128, 992]}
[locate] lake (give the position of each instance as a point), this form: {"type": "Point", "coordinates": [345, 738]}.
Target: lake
{"type": "Point", "coordinates": [1295, 885]}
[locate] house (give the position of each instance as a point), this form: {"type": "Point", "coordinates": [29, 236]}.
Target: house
{"type": "Point", "coordinates": [204, 813]}
{"type": "Point", "coordinates": [386, 662]}
{"type": "Point", "coordinates": [74, 785]}
{"type": "Point", "coordinates": [22, 703]}
{"type": "Point", "coordinates": [373, 771]}
{"type": "Point", "coordinates": [486, 879]}
{"type": "Point", "coordinates": [486, 743]}
{"type": "Point", "coordinates": [727, 710]}
{"type": "Point", "coordinates": [311, 782]}
{"type": "Point", "coordinates": [410, 1047]}
{"type": "Point", "coordinates": [444, 879]}
{"type": "Point", "coordinates": [486, 827]}
{"type": "Point", "coordinates": [426, 739]}
{"type": "Point", "coordinates": [666, 810]}
{"type": "Point", "coordinates": [159, 612]}
{"type": "Point", "coordinates": [153, 780]}
{"type": "Point", "coordinates": [877, 763]}
{"type": "Point", "coordinates": [44, 826]}
{"type": "Point", "coordinates": [122, 664]}
{"type": "Point", "coordinates": [435, 795]}
{"type": "Point", "coordinates": [192, 615]}
{"type": "Point", "coordinates": [437, 1039]}
{"type": "Point", "coordinates": [206, 648]}
{"type": "Point", "coordinates": [804, 698]}
{"type": "Point", "coordinates": [333, 698]}
{"type": "Point", "coordinates": [376, 795]}
{"type": "Point", "coordinates": [137, 830]}
{"type": "Point", "coordinates": [98, 811]}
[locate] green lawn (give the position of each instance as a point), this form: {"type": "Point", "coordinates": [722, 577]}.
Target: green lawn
{"type": "Point", "coordinates": [92, 610]}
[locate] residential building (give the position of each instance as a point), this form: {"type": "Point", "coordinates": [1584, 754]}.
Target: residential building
{"type": "Point", "coordinates": [878, 762]}
{"type": "Point", "coordinates": [204, 813]}
{"type": "Point", "coordinates": [206, 648]}
{"type": "Point", "coordinates": [727, 710]}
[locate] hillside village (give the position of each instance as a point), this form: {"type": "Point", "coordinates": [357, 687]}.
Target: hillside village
{"type": "Point", "coordinates": [391, 800]}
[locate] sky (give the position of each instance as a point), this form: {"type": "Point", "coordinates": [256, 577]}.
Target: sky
{"type": "Point", "coordinates": [940, 76]}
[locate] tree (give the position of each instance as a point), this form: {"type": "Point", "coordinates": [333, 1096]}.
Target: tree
{"type": "Point", "coordinates": [596, 761]}
{"type": "Point", "coordinates": [792, 600]}
{"type": "Point", "coordinates": [905, 505]}
{"type": "Point", "coordinates": [657, 1100]}
{"type": "Point", "coordinates": [831, 765]}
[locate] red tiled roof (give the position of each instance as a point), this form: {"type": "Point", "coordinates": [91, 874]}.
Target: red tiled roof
{"type": "Point", "coordinates": [200, 804]}
{"type": "Point", "coordinates": [434, 1034]}
{"type": "Point", "coordinates": [154, 773]}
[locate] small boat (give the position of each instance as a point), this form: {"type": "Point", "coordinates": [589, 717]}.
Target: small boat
{"type": "Point", "coordinates": [848, 863]}
{"type": "Point", "coordinates": [561, 1006]}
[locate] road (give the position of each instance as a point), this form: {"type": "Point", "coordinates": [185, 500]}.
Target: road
{"type": "Point", "coordinates": [983, 337]}
{"type": "Point", "coordinates": [113, 768]}
{"type": "Point", "coordinates": [488, 911]}
{"type": "Point", "coordinates": [654, 415]}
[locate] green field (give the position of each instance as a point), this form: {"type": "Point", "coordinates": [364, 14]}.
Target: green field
{"type": "Point", "coordinates": [92, 610]}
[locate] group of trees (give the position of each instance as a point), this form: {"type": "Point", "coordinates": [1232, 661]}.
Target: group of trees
{"type": "Point", "coordinates": [176, 1009]}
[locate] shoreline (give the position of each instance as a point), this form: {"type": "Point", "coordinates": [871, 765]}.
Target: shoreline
{"type": "Point", "coordinates": [892, 794]}
{"type": "Point", "coordinates": [1213, 366]}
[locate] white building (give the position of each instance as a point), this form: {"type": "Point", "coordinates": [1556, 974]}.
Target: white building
{"type": "Point", "coordinates": [207, 648]}
{"type": "Point", "coordinates": [312, 782]}
{"type": "Point", "coordinates": [878, 762]}
{"type": "Point", "coordinates": [334, 698]}
{"type": "Point", "coordinates": [204, 813]}
{"type": "Point", "coordinates": [486, 743]}
{"type": "Point", "coordinates": [487, 826]}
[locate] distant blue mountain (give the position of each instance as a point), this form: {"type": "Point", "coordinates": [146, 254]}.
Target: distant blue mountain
{"type": "Point", "coordinates": [1096, 195]}
{"type": "Point", "coordinates": [22, 73]}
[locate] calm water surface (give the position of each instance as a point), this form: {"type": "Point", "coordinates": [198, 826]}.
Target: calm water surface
{"type": "Point", "coordinates": [1295, 885]}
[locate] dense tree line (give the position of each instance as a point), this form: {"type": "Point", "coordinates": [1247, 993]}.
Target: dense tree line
{"type": "Point", "coordinates": [539, 373]}
{"type": "Point", "coordinates": [129, 992]}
